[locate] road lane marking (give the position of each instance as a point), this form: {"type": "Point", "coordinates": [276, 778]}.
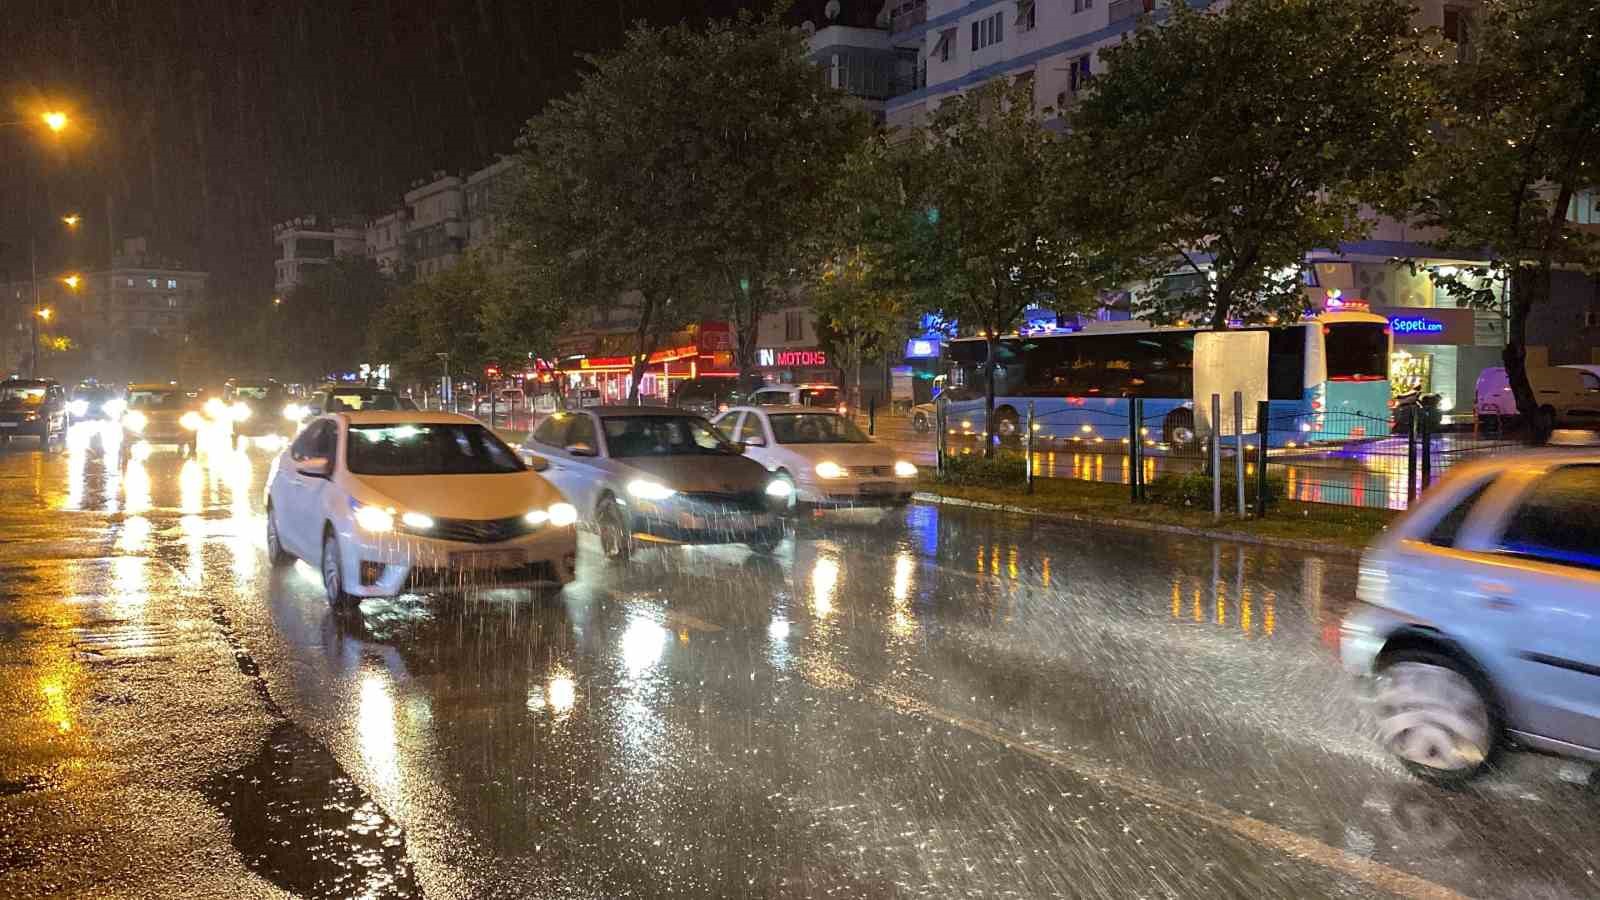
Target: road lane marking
{"type": "Point", "coordinates": [1383, 877]}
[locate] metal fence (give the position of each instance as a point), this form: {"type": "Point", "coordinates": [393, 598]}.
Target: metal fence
{"type": "Point", "coordinates": [1334, 457]}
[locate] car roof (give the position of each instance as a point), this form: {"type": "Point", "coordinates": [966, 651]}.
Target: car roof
{"type": "Point", "coordinates": [616, 412]}
{"type": "Point", "coordinates": [789, 408]}
{"type": "Point", "coordinates": [407, 417]}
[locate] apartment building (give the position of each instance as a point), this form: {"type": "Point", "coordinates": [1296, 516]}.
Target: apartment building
{"type": "Point", "coordinates": [487, 191]}
{"type": "Point", "coordinates": [306, 242]}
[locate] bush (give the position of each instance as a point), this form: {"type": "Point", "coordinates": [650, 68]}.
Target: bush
{"type": "Point", "coordinates": [1194, 489]}
{"type": "Point", "coordinates": [972, 470]}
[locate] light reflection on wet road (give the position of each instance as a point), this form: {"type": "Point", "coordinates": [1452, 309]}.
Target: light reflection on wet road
{"type": "Point", "coordinates": [937, 703]}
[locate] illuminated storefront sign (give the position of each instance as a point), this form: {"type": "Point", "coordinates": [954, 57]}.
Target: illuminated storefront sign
{"type": "Point", "coordinates": [1429, 325]}
{"type": "Point", "coordinates": [782, 358]}
{"type": "Point", "coordinates": [1415, 325]}
{"type": "Point", "coordinates": [920, 348]}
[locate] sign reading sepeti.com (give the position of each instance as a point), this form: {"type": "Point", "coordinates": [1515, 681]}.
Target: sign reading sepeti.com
{"type": "Point", "coordinates": [1428, 324]}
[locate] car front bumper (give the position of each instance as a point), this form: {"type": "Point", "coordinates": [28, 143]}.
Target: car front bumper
{"type": "Point", "coordinates": [672, 523]}
{"type": "Point", "coordinates": [389, 564]}
{"type": "Point", "coordinates": [1363, 633]}
{"type": "Point", "coordinates": [856, 492]}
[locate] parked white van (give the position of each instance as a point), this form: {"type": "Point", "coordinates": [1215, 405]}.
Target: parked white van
{"type": "Point", "coordinates": [1567, 395]}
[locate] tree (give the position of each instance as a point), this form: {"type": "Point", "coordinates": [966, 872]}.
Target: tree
{"type": "Point", "coordinates": [1234, 142]}
{"type": "Point", "coordinates": [1519, 138]}
{"type": "Point", "coordinates": [991, 219]}
{"type": "Point", "coordinates": [321, 327]}
{"type": "Point", "coordinates": [860, 313]}
{"type": "Point", "coordinates": [688, 165]}
{"type": "Point", "coordinates": [471, 311]}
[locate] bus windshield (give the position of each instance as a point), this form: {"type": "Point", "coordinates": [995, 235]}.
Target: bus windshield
{"type": "Point", "coordinates": [1357, 351]}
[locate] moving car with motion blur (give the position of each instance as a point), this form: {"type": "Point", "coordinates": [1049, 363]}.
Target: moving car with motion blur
{"type": "Point", "coordinates": [824, 457]}
{"type": "Point", "coordinates": [91, 401]}
{"type": "Point", "coordinates": [1478, 626]}
{"type": "Point", "coordinates": [32, 407]}
{"type": "Point", "coordinates": [255, 408]}
{"type": "Point", "coordinates": [825, 395]}
{"type": "Point", "coordinates": [161, 414]}
{"type": "Point", "coordinates": [658, 475]}
{"type": "Point", "coordinates": [335, 398]}
{"type": "Point", "coordinates": [386, 502]}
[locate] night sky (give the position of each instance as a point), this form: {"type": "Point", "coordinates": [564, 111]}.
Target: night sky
{"type": "Point", "coordinates": [203, 122]}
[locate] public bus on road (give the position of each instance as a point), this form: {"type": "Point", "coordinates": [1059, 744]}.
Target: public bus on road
{"type": "Point", "coordinates": [1327, 380]}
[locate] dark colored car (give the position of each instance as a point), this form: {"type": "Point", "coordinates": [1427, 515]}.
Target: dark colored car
{"type": "Point", "coordinates": [32, 407]}
{"type": "Point", "coordinates": [707, 396]}
{"type": "Point", "coordinates": [93, 402]}
{"type": "Point", "coordinates": [256, 406]}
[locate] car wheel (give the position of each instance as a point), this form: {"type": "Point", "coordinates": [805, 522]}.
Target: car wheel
{"type": "Point", "coordinates": [1547, 420]}
{"type": "Point", "coordinates": [616, 538]}
{"type": "Point", "coordinates": [275, 552]}
{"type": "Point", "coordinates": [333, 571]}
{"type": "Point", "coordinates": [919, 423]}
{"type": "Point", "coordinates": [1436, 716]}
{"type": "Point", "coordinates": [1178, 428]}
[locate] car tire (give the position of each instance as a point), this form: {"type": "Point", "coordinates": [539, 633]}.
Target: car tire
{"type": "Point", "coordinates": [1177, 430]}
{"type": "Point", "coordinates": [276, 555]}
{"type": "Point", "coordinates": [333, 571]}
{"type": "Point", "coordinates": [611, 523]}
{"type": "Point", "coordinates": [1437, 716]}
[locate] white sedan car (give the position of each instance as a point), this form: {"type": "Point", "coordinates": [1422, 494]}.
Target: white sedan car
{"type": "Point", "coordinates": [385, 502]}
{"type": "Point", "coordinates": [824, 455]}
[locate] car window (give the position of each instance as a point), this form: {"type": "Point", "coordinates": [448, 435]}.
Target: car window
{"type": "Point", "coordinates": [154, 399]}
{"type": "Point", "coordinates": [730, 425]}
{"type": "Point", "coordinates": [550, 432]}
{"type": "Point", "coordinates": [770, 398]}
{"type": "Point", "coordinates": [311, 441]}
{"type": "Point", "coordinates": [443, 448]}
{"type": "Point", "coordinates": [581, 431]}
{"type": "Point", "coordinates": [815, 428]}
{"type": "Point", "coordinates": [1591, 382]}
{"type": "Point", "coordinates": [1558, 520]}
{"type": "Point", "coordinates": [1443, 533]}
{"type": "Point", "coordinates": [632, 436]}
{"type": "Point", "coordinates": [819, 397]}
{"type": "Point", "coordinates": [355, 401]}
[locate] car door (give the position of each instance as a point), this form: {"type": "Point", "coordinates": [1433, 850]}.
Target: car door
{"type": "Point", "coordinates": [298, 505]}
{"type": "Point", "coordinates": [757, 438]}
{"type": "Point", "coordinates": [584, 475]}
{"type": "Point", "coordinates": [547, 441]}
{"type": "Point", "coordinates": [1546, 579]}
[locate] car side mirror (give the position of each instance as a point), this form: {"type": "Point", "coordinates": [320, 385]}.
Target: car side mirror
{"type": "Point", "coordinates": [315, 467]}
{"type": "Point", "coordinates": [581, 449]}
{"type": "Point", "coordinates": [755, 440]}
{"type": "Point", "coordinates": [536, 463]}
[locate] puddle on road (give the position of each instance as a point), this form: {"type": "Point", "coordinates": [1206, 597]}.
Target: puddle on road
{"type": "Point", "coordinates": [300, 822]}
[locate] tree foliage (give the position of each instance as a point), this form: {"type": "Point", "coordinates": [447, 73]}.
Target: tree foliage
{"type": "Point", "coordinates": [1519, 139]}
{"type": "Point", "coordinates": [991, 218]}
{"type": "Point", "coordinates": [322, 325]}
{"type": "Point", "coordinates": [688, 165]}
{"type": "Point", "coordinates": [1247, 137]}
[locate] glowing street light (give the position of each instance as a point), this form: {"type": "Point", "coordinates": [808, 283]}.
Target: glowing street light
{"type": "Point", "coordinates": [71, 221]}
{"type": "Point", "coordinates": [45, 313]}
{"type": "Point", "coordinates": [277, 301]}
{"type": "Point", "coordinates": [55, 120]}
{"type": "Point", "coordinates": [72, 281]}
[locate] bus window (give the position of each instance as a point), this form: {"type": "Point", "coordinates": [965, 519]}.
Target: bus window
{"type": "Point", "coordinates": [1286, 363]}
{"type": "Point", "coordinates": [1356, 351]}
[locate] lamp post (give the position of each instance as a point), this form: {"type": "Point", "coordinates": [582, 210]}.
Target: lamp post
{"type": "Point", "coordinates": [56, 122]}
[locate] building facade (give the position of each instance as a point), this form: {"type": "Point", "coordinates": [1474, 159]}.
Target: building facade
{"type": "Point", "coordinates": [386, 244]}
{"type": "Point", "coordinates": [309, 241]}
{"type": "Point", "coordinates": [436, 228]}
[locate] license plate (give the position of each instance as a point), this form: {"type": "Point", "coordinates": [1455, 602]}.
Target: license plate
{"type": "Point", "coordinates": [489, 559]}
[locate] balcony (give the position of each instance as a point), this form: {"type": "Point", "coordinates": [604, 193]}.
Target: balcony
{"type": "Point", "coordinates": [908, 15]}
{"type": "Point", "coordinates": [1129, 9]}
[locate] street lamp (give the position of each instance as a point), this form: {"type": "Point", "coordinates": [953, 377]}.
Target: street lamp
{"type": "Point", "coordinates": [71, 221]}
{"type": "Point", "coordinates": [55, 120]}
{"type": "Point", "coordinates": [71, 281]}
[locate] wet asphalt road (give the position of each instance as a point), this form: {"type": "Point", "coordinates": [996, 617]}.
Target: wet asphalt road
{"type": "Point", "coordinates": [941, 703]}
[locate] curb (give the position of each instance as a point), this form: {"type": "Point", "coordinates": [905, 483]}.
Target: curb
{"type": "Point", "coordinates": [1135, 525]}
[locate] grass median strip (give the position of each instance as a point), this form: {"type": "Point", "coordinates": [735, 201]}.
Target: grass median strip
{"type": "Point", "coordinates": [1287, 522]}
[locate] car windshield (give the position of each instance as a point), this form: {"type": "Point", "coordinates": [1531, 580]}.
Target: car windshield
{"type": "Point", "coordinates": [154, 399]}
{"type": "Point", "coordinates": [662, 436]}
{"type": "Point", "coordinates": [23, 393]}
{"type": "Point", "coordinates": [428, 449]}
{"type": "Point", "coordinates": [815, 428]}
{"type": "Point", "coordinates": [356, 401]}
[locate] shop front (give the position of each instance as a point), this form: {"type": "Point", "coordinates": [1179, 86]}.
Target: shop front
{"type": "Point", "coordinates": [598, 368]}
{"type": "Point", "coordinates": [796, 365]}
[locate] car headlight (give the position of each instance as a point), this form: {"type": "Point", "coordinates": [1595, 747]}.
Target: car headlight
{"type": "Point", "coordinates": [903, 469]}
{"type": "Point", "coordinates": [830, 469]}
{"type": "Point", "coordinates": [115, 407]}
{"type": "Point", "coordinates": [78, 407]}
{"type": "Point", "coordinates": [559, 514]}
{"type": "Point", "coordinates": [649, 490]}
{"type": "Point", "coordinates": [136, 421]}
{"type": "Point", "coordinates": [294, 412]}
{"type": "Point", "coordinates": [240, 412]}
{"type": "Point", "coordinates": [215, 408]}
{"type": "Point", "coordinates": [780, 488]}
{"type": "Point", "coordinates": [413, 520]}
{"type": "Point", "coordinates": [374, 518]}
{"type": "Point", "coordinates": [191, 420]}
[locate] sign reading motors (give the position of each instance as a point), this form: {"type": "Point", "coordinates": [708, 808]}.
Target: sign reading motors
{"type": "Point", "coordinates": [777, 358]}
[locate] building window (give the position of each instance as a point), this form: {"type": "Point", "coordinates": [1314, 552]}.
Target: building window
{"type": "Point", "coordinates": [1078, 73]}
{"type": "Point", "coordinates": [172, 302]}
{"type": "Point", "coordinates": [153, 282]}
{"type": "Point", "coordinates": [987, 31]}
{"type": "Point", "coordinates": [172, 284]}
{"type": "Point", "coordinates": [130, 282]}
{"type": "Point", "coordinates": [793, 327]}
{"type": "Point", "coordinates": [1458, 30]}
{"type": "Point", "coordinates": [945, 46]}
{"type": "Point", "coordinates": [1079, 6]}
{"type": "Point", "coordinates": [1027, 15]}
{"type": "Point", "coordinates": [1582, 211]}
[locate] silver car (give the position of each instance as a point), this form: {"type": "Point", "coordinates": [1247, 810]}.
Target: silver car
{"type": "Point", "coordinates": [657, 475]}
{"type": "Point", "coordinates": [1479, 622]}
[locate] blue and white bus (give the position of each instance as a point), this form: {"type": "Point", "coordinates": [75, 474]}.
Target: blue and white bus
{"type": "Point", "coordinates": [1327, 380]}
